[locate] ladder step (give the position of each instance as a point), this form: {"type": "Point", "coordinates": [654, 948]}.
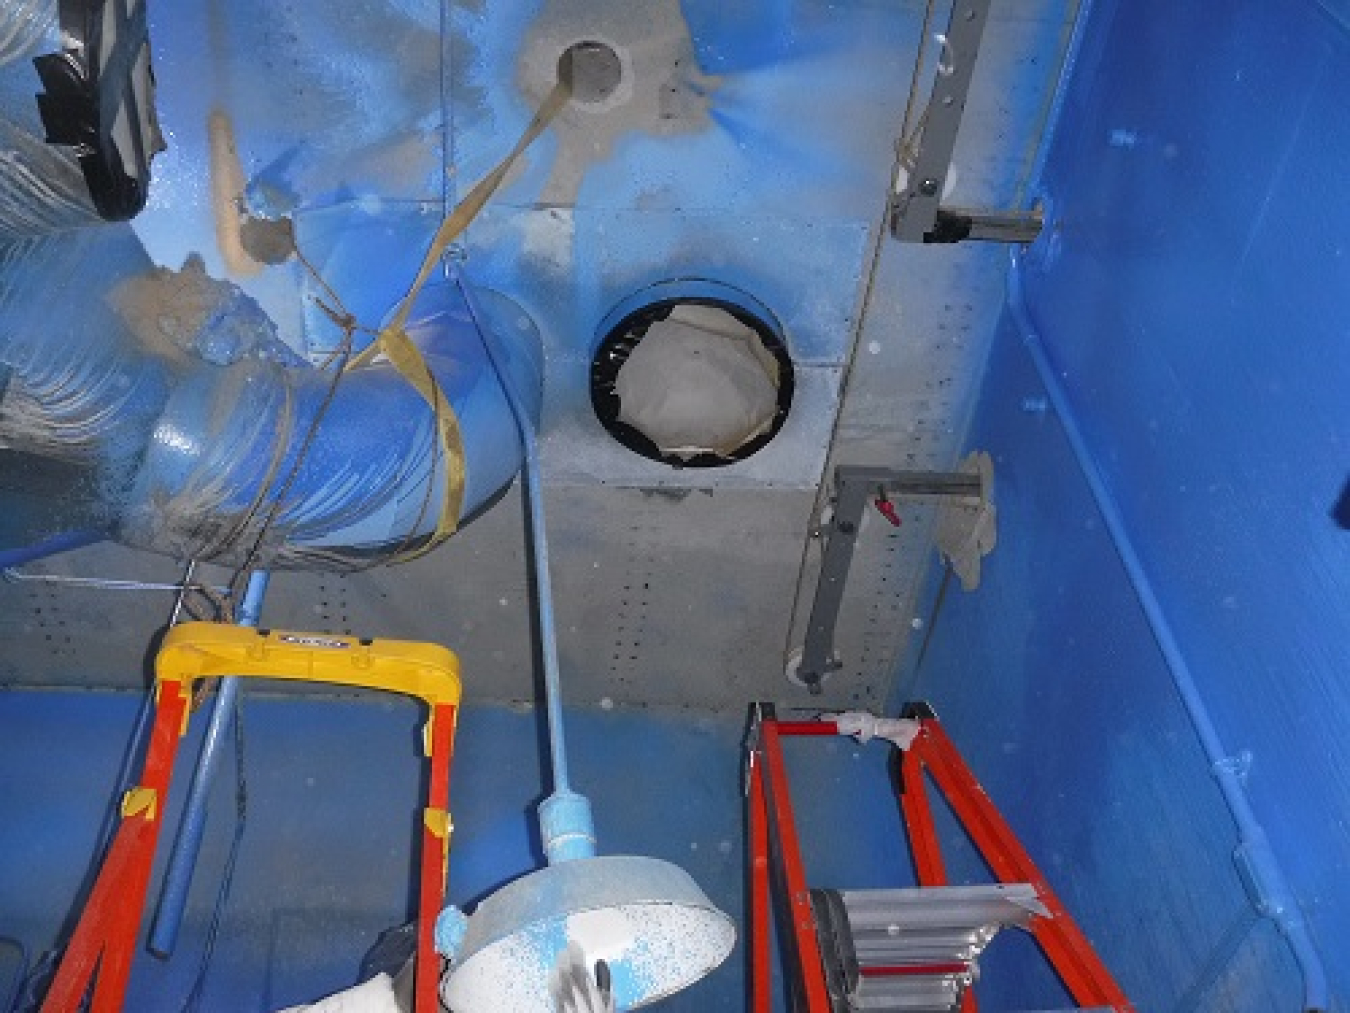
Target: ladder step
{"type": "Point", "coordinates": [913, 950]}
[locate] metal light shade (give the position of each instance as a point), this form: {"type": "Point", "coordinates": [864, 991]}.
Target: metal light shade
{"type": "Point", "coordinates": [647, 919]}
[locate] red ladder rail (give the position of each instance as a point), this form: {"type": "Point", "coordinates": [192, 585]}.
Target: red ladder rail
{"type": "Point", "coordinates": [773, 848]}
{"type": "Point", "coordinates": [1061, 940]}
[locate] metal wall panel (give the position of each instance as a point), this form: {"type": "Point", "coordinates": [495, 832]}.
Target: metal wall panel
{"type": "Point", "coordinates": [754, 146]}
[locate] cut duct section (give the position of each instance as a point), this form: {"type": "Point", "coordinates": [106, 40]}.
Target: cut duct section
{"type": "Point", "coordinates": [159, 409]}
{"type": "Point", "coordinates": [692, 374]}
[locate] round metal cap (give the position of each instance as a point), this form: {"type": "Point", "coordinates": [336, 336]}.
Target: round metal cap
{"type": "Point", "coordinates": [647, 919]}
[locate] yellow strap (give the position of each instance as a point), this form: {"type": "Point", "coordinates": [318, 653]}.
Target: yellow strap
{"type": "Point", "coordinates": [438, 822]}
{"type": "Point", "coordinates": [140, 800]}
{"type": "Point", "coordinates": [394, 344]}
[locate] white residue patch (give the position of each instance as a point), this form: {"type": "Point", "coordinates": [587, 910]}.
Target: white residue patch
{"type": "Point", "coordinates": [548, 237]}
{"type": "Point", "coordinates": [604, 934]}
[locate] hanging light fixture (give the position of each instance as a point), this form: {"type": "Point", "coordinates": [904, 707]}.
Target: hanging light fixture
{"type": "Point", "coordinates": [640, 925]}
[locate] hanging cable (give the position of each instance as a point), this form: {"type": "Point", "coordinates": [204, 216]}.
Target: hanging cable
{"type": "Point", "coordinates": [194, 997]}
{"type": "Point", "coordinates": [13, 575]}
{"type": "Point", "coordinates": [905, 149]}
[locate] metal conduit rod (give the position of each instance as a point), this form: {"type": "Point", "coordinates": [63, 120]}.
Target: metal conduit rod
{"type": "Point", "coordinates": [187, 844]}
{"type": "Point", "coordinates": [534, 498]}
{"type": "Point", "coordinates": [1273, 896]}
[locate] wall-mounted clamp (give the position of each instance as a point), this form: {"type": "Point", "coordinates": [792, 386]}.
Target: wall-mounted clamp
{"type": "Point", "coordinates": [855, 487]}
{"type": "Point", "coordinates": [917, 215]}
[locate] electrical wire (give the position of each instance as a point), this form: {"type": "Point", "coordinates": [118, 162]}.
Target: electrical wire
{"type": "Point", "coordinates": [908, 137]}
{"type": "Point", "coordinates": [11, 574]}
{"type": "Point", "coordinates": [862, 317]}
{"type": "Point", "coordinates": [194, 997]}
{"type": "Point", "coordinates": [340, 356]}
{"type": "Point", "coordinates": [279, 500]}
{"type": "Point", "coordinates": [338, 360]}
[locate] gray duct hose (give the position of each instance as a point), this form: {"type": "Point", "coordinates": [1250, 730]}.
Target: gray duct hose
{"type": "Point", "coordinates": [173, 453]}
{"type": "Point", "coordinates": [27, 27]}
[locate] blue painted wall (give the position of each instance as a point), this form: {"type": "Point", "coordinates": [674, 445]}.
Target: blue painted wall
{"type": "Point", "coordinates": [1193, 292]}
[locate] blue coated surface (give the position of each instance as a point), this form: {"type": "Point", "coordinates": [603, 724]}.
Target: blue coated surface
{"type": "Point", "coordinates": [732, 162]}
{"type": "Point", "coordinates": [333, 806]}
{"type": "Point", "coordinates": [1191, 288]}
{"type": "Point", "coordinates": [1191, 291]}
{"type": "Point", "coordinates": [1049, 680]}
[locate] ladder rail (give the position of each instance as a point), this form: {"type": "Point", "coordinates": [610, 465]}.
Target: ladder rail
{"type": "Point", "coordinates": [778, 802]}
{"type": "Point", "coordinates": [773, 847]}
{"type": "Point", "coordinates": [761, 974]}
{"type": "Point", "coordinates": [102, 947]}
{"type": "Point", "coordinates": [1059, 936]}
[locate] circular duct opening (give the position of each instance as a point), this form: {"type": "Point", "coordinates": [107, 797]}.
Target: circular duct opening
{"type": "Point", "coordinates": [592, 69]}
{"type": "Point", "coordinates": [693, 381]}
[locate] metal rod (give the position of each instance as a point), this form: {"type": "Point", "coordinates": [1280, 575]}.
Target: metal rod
{"type": "Point", "coordinates": [534, 499]}
{"type": "Point", "coordinates": [807, 728]}
{"type": "Point", "coordinates": [9, 573]}
{"type": "Point", "coordinates": [188, 844]}
{"type": "Point", "coordinates": [1254, 848]}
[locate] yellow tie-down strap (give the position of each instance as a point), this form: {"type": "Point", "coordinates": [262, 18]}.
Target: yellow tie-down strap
{"type": "Point", "coordinates": [394, 344]}
{"type": "Point", "coordinates": [194, 651]}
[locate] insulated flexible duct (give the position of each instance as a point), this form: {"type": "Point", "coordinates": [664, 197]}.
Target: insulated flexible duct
{"type": "Point", "coordinates": [150, 444]}
{"type": "Point", "coordinates": [25, 27]}
{"type": "Point", "coordinates": [42, 189]}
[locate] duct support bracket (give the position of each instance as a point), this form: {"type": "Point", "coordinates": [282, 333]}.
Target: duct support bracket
{"type": "Point", "coordinates": [854, 486]}
{"type": "Point", "coordinates": [916, 213]}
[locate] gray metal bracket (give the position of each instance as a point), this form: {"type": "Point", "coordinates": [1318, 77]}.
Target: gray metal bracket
{"type": "Point", "coordinates": [916, 212]}
{"type": "Point", "coordinates": [854, 486]}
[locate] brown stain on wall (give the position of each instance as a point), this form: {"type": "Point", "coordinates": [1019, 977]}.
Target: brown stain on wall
{"type": "Point", "coordinates": [663, 92]}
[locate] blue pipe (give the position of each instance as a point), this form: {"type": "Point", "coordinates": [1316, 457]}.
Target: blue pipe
{"type": "Point", "coordinates": [565, 821]}
{"type": "Point", "coordinates": [534, 493]}
{"type": "Point", "coordinates": [184, 446]}
{"type": "Point", "coordinates": [188, 844]}
{"type": "Point", "coordinates": [1256, 860]}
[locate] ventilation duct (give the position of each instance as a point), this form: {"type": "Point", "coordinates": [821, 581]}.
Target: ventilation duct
{"type": "Point", "coordinates": [27, 26]}
{"type": "Point", "coordinates": [692, 373]}
{"type": "Point", "coordinates": [160, 410]}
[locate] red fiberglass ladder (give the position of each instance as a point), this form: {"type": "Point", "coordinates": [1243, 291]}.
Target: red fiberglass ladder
{"type": "Point", "coordinates": [103, 945]}
{"type": "Point", "coordinates": [914, 949]}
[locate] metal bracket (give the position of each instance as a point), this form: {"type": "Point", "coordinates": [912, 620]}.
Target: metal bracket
{"type": "Point", "coordinates": [916, 212]}
{"type": "Point", "coordinates": [854, 485]}
{"type": "Point", "coordinates": [956, 224]}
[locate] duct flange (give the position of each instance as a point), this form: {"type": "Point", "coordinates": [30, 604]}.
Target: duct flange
{"type": "Point", "coordinates": [692, 374]}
